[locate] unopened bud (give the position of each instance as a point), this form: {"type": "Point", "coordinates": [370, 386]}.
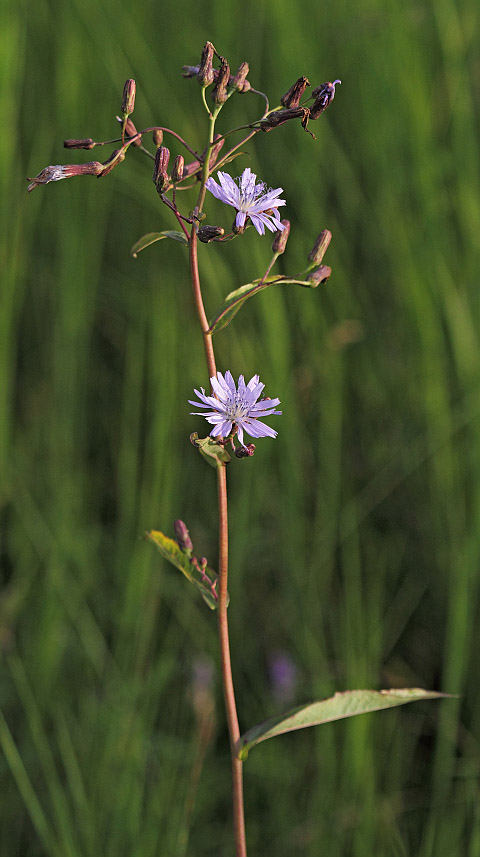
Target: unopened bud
{"type": "Point", "coordinates": [320, 247]}
{"type": "Point", "coordinates": [239, 81]}
{"type": "Point", "coordinates": [319, 275]}
{"type": "Point", "coordinates": [294, 94]}
{"type": "Point", "coordinates": [323, 95]}
{"type": "Point", "coordinates": [79, 144]}
{"type": "Point", "coordinates": [219, 91]}
{"type": "Point", "coordinates": [160, 175]}
{"type": "Point", "coordinates": [209, 233]}
{"type": "Point", "coordinates": [245, 451]}
{"type": "Point", "coordinates": [281, 238]}
{"type": "Point", "coordinates": [205, 71]}
{"type": "Point", "coordinates": [178, 167]}
{"type": "Point", "coordinates": [182, 536]}
{"type": "Point", "coordinates": [131, 131]}
{"type": "Point", "coordinates": [115, 158]}
{"type": "Point", "coordinates": [157, 137]}
{"type": "Point", "coordinates": [278, 117]}
{"type": "Point", "coordinates": [128, 100]}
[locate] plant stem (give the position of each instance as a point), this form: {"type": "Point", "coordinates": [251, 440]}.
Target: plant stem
{"type": "Point", "coordinates": [227, 680]}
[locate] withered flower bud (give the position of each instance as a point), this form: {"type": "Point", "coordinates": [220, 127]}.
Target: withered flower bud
{"type": "Point", "coordinates": [239, 80]}
{"type": "Point", "coordinates": [219, 91]}
{"type": "Point", "coordinates": [115, 158]}
{"type": "Point", "coordinates": [323, 95]}
{"type": "Point", "coordinates": [294, 94]}
{"type": "Point", "coordinates": [128, 100]}
{"type": "Point", "coordinates": [157, 137]}
{"type": "Point", "coordinates": [215, 151]}
{"type": "Point", "coordinates": [178, 167]}
{"type": "Point", "coordinates": [130, 131]}
{"type": "Point", "coordinates": [160, 175]}
{"type": "Point", "coordinates": [209, 233]}
{"type": "Point", "coordinates": [182, 536]}
{"type": "Point", "coordinates": [281, 238]}
{"type": "Point", "coordinates": [205, 71]}
{"type": "Point", "coordinates": [278, 117]}
{"type": "Point", "coordinates": [320, 247]}
{"type": "Point", "coordinates": [88, 143]}
{"type": "Point", "coordinates": [57, 172]}
{"type": "Point", "coordinates": [245, 451]}
{"type": "Point", "coordinates": [319, 275]}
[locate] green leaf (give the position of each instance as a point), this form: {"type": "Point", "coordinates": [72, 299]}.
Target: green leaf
{"type": "Point", "coordinates": [152, 237]}
{"type": "Point", "coordinates": [346, 704]}
{"type": "Point", "coordinates": [174, 554]}
{"type": "Point", "coordinates": [236, 299]}
{"type": "Point", "coordinates": [211, 450]}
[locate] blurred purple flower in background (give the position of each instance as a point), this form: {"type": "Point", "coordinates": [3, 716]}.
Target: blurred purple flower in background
{"type": "Point", "coordinates": [283, 676]}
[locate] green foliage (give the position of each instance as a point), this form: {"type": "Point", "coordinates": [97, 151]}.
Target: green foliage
{"type": "Point", "coordinates": [354, 535]}
{"type": "Point", "coordinates": [171, 552]}
{"type": "Point", "coordinates": [153, 237]}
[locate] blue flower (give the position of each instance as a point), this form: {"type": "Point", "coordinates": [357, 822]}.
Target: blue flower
{"type": "Point", "coordinates": [236, 409]}
{"type": "Point", "coordinates": [250, 200]}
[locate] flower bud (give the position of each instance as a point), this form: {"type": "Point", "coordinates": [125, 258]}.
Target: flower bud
{"type": "Point", "coordinates": [209, 233]}
{"type": "Point", "coordinates": [323, 95]}
{"type": "Point", "coordinates": [115, 158]}
{"type": "Point", "coordinates": [320, 247]}
{"type": "Point", "coordinates": [131, 131]}
{"type": "Point", "coordinates": [245, 451]}
{"type": "Point", "coordinates": [281, 238]}
{"type": "Point", "coordinates": [239, 80]}
{"type": "Point", "coordinates": [160, 175]}
{"type": "Point", "coordinates": [278, 117]}
{"type": "Point", "coordinates": [157, 137]}
{"type": "Point", "coordinates": [319, 275]}
{"type": "Point", "coordinates": [182, 536]}
{"type": "Point", "coordinates": [128, 100]}
{"type": "Point", "coordinates": [178, 167]}
{"type": "Point", "coordinates": [219, 91]}
{"type": "Point", "coordinates": [294, 94]}
{"type": "Point", "coordinates": [205, 71]}
{"type": "Point", "coordinates": [79, 144]}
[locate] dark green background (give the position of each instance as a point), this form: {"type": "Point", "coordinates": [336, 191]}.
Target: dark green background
{"type": "Point", "coordinates": [355, 536]}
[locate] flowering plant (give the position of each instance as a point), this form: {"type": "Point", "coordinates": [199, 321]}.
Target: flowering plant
{"type": "Point", "coordinates": [234, 409]}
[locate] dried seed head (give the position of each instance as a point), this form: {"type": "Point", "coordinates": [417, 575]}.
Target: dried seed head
{"type": "Point", "coordinates": [157, 137]}
{"type": "Point", "coordinates": [182, 536]}
{"type": "Point", "coordinates": [320, 247]}
{"type": "Point", "coordinates": [128, 100]}
{"type": "Point", "coordinates": [294, 94]}
{"type": "Point", "coordinates": [57, 172]}
{"type": "Point", "coordinates": [281, 238]}
{"type": "Point", "coordinates": [209, 233]}
{"type": "Point", "coordinates": [323, 95]}
{"type": "Point", "coordinates": [239, 80]}
{"type": "Point", "coordinates": [160, 175]}
{"type": "Point", "coordinates": [319, 275]}
{"type": "Point", "coordinates": [205, 70]}
{"type": "Point", "coordinates": [178, 167]}
{"type": "Point", "coordinates": [219, 91]}
{"type": "Point", "coordinates": [88, 143]}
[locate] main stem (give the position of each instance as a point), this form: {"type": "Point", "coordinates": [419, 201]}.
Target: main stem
{"type": "Point", "coordinates": [227, 679]}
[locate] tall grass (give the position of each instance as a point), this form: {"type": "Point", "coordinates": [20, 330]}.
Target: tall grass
{"type": "Point", "coordinates": [355, 536]}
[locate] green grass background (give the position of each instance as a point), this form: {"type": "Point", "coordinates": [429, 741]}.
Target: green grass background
{"type": "Point", "coordinates": [355, 536]}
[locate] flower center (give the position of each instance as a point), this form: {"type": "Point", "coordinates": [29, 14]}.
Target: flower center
{"type": "Point", "coordinates": [237, 408]}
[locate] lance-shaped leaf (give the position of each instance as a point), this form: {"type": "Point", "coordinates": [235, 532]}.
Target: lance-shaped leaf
{"type": "Point", "coordinates": [236, 299]}
{"type": "Point", "coordinates": [205, 582]}
{"type": "Point", "coordinates": [152, 237]}
{"type": "Point", "coordinates": [347, 704]}
{"type": "Point", "coordinates": [211, 450]}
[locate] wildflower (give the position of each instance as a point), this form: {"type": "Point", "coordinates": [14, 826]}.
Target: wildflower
{"type": "Point", "coordinates": [235, 409]}
{"type": "Point", "coordinates": [250, 199]}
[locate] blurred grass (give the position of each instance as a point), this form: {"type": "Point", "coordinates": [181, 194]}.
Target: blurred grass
{"type": "Point", "coordinates": [355, 537]}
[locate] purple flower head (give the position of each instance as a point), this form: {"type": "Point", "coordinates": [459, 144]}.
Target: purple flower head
{"type": "Point", "coordinates": [236, 408]}
{"type": "Point", "coordinates": [250, 199]}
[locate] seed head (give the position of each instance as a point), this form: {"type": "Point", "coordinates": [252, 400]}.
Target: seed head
{"type": "Point", "coordinates": [205, 70]}
{"type": "Point", "coordinates": [294, 94]}
{"type": "Point", "coordinates": [219, 91]}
